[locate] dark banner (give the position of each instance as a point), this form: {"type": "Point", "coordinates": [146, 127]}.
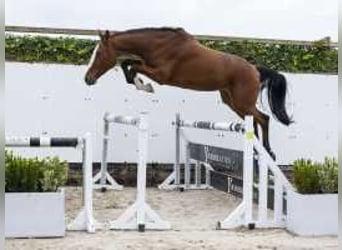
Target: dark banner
{"type": "Point", "coordinates": [228, 166]}
{"type": "Point", "coordinates": [197, 151]}
{"type": "Point", "coordinates": [221, 159]}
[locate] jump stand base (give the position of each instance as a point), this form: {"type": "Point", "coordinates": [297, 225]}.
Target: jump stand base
{"type": "Point", "coordinates": [167, 183]}
{"type": "Point", "coordinates": [128, 220]}
{"type": "Point", "coordinates": [235, 219]}
{"type": "Point", "coordinates": [83, 222]}
{"type": "Point", "coordinates": [113, 185]}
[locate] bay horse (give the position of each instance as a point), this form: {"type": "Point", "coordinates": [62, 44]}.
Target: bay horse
{"type": "Point", "coordinates": [171, 56]}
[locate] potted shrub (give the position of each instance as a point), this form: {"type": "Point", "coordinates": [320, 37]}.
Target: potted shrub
{"type": "Point", "coordinates": [313, 208]}
{"type": "Point", "coordinates": [34, 201]}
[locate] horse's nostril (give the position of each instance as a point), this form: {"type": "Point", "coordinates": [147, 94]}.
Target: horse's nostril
{"type": "Point", "coordinates": [89, 81]}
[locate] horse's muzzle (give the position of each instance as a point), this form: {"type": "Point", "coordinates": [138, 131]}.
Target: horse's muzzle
{"type": "Point", "coordinates": [89, 81]}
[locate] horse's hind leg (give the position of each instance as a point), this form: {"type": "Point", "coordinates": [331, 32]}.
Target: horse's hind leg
{"type": "Point", "coordinates": [263, 120]}
{"type": "Point", "coordinates": [259, 118]}
{"type": "Point", "coordinates": [255, 125]}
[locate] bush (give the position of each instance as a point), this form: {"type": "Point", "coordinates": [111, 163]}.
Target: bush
{"type": "Point", "coordinates": [314, 177]}
{"type": "Point", "coordinates": [33, 174]}
{"type": "Point", "coordinates": [328, 174]}
{"type": "Point", "coordinates": [305, 176]}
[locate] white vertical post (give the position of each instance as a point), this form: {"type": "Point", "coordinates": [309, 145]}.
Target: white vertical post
{"type": "Point", "coordinates": [198, 174]}
{"type": "Point", "coordinates": [187, 170]}
{"type": "Point", "coordinates": [262, 189]}
{"type": "Point", "coordinates": [248, 170]}
{"type": "Point", "coordinates": [87, 182]}
{"type": "Point", "coordinates": [278, 201]}
{"type": "Point", "coordinates": [207, 177]}
{"type": "Point", "coordinates": [229, 180]}
{"type": "Point", "coordinates": [104, 150]}
{"type": "Point", "coordinates": [85, 219]}
{"type": "Point", "coordinates": [103, 176]}
{"type": "Point", "coordinates": [142, 159]}
{"type": "Point", "coordinates": [177, 163]}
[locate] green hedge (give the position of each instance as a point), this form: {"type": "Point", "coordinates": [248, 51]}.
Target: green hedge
{"type": "Point", "coordinates": [33, 174]}
{"type": "Point", "coordinates": [48, 50]}
{"type": "Point", "coordinates": [316, 58]}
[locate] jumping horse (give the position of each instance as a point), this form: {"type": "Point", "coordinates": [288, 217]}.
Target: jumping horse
{"type": "Point", "coordinates": [171, 56]}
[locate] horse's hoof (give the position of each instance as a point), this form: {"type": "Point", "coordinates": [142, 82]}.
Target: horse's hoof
{"type": "Point", "coordinates": [139, 84]}
{"type": "Point", "coordinates": [140, 80]}
{"type": "Point", "coordinates": [149, 88]}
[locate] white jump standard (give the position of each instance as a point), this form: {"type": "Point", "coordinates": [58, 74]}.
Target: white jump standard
{"type": "Point", "coordinates": [139, 216]}
{"type": "Point", "coordinates": [253, 149]}
{"type": "Point", "coordinates": [84, 219]}
{"type": "Point", "coordinates": [103, 176]}
{"type": "Point", "coordinates": [243, 214]}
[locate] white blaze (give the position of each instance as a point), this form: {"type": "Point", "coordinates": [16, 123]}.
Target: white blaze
{"type": "Point", "coordinates": [93, 56]}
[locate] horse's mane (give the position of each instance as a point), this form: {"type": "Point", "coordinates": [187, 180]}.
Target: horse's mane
{"type": "Point", "coordinates": [177, 30]}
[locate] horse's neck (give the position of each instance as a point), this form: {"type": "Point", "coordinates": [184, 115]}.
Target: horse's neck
{"type": "Point", "coordinates": [133, 44]}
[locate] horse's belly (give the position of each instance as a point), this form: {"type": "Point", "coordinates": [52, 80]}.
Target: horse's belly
{"type": "Point", "coordinates": [199, 80]}
{"type": "Point", "coordinates": [197, 85]}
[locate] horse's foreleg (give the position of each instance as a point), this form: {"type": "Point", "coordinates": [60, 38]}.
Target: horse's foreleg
{"type": "Point", "coordinates": [153, 73]}
{"type": "Point", "coordinates": [139, 84]}
{"type": "Point", "coordinates": [129, 68]}
{"type": "Point", "coordinates": [128, 71]}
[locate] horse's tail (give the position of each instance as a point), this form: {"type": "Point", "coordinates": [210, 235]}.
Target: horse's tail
{"type": "Point", "coordinates": [276, 91]}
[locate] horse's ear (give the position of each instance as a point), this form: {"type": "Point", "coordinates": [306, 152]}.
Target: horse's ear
{"type": "Point", "coordinates": [106, 35]}
{"type": "Point", "coordinates": [100, 35]}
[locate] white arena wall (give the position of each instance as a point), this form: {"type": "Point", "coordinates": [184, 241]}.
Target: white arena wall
{"type": "Point", "coordinates": [49, 99]}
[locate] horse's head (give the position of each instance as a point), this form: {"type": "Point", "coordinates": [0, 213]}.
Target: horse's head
{"type": "Point", "coordinates": [103, 59]}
